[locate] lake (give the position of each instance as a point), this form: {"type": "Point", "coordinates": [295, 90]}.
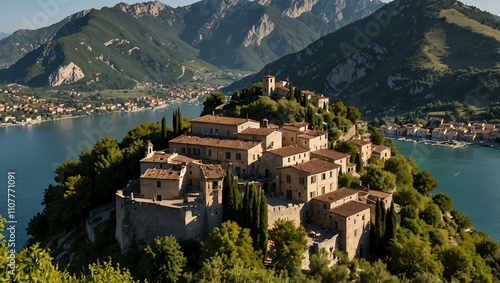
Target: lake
{"type": "Point", "coordinates": [32, 152]}
{"type": "Point", "coordinates": [468, 175]}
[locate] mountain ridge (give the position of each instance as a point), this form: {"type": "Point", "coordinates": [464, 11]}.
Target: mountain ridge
{"type": "Point", "coordinates": [226, 34]}
{"type": "Point", "coordinates": [405, 54]}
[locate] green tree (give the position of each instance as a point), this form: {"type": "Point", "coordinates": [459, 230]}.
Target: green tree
{"type": "Point", "coordinates": [106, 272]}
{"type": "Point", "coordinates": [349, 181]}
{"type": "Point", "coordinates": [391, 226]}
{"type": "Point", "coordinates": [408, 196]}
{"type": "Point", "coordinates": [391, 144]}
{"type": "Point", "coordinates": [457, 264]}
{"type": "Point", "coordinates": [431, 214]}
{"type": "Point", "coordinates": [353, 114]}
{"type": "Point", "coordinates": [443, 201]}
{"type": "Point", "coordinates": [424, 183]}
{"type": "Point", "coordinates": [378, 179]}
{"type": "Point", "coordinates": [359, 162]}
{"type": "Point", "coordinates": [377, 273]}
{"type": "Point", "coordinates": [211, 102]}
{"type": "Point", "coordinates": [348, 147]}
{"type": "Point", "coordinates": [164, 260]}
{"type": "Point", "coordinates": [263, 231]}
{"type": "Point", "coordinates": [288, 243]}
{"type": "Point", "coordinates": [230, 241]}
{"type": "Point", "coordinates": [411, 255]}
{"type": "Point", "coordinates": [461, 220]}
{"type": "Point", "coordinates": [376, 137]}
{"type": "Point", "coordinates": [400, 166]}
{"type": "Point", "coordinates": [163, 134]}
{"type": "Point", "coordinates": [339, 109]}
{"type": "Point", "coordinates": [231, 198]}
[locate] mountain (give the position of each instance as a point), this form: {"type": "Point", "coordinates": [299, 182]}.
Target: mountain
{"type": "Point", "coordinates": [128, 44]}
{"type": "Point", "coordinates": [4, 35]}
{"type": "Point", "coordinates": [407, 53]}
{"type": "Point", "coordinates": [18, 44]}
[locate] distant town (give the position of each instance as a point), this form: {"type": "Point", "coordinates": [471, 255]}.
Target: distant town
{"type": "Point", "coordinates": [18, 107]}
{"type": "Point", "coordinates": [440, 132]}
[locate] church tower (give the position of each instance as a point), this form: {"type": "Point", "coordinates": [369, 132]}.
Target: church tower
{"type": "Point", "coordinates": [268, 85]}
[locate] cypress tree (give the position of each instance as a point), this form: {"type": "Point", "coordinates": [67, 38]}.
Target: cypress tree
{"type": "Point", "coordinates": [359, 162]}
{"type": "Point", "coordinates": [263, 228]}
{"type": "Point", "coordinates": [378, 234]}
{"type": "Point", "coordinates": [390, 226]}
{"type": "Point", "coordinates": [163, 134]}
{"type": "Point", "coordinates": [227, 196]}
{"type": "Point", "coordinates": [174, 124]}
{"type": "Point", "coordinates": [179, 121]}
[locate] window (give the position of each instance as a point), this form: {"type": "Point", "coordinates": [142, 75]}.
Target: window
{"type": "Point", "coordinates": [354, 221]}
{"type": "Point", "coordinates": [288, 179]}
{"type": "Point", "coordinates": [331, 174]}
{"type": "Point", "coordinates": [313, 179]}
{"type": "Point", "coordinates": [254, 158]}
{"type": "Point", "coordinates": [209, 152]}
{"type": "Point", "coordinates": [302, 181]}
{"type": "Point", "coordinates": [215, 185]}
{"type": "Point", "coordinates": [238, 156]}
{"type": "Point", "coordinates": [158, 184]}
{"type": "Point", "coordinates": [294, 158]}
{"type": "Point", "coordinates": [228, 155]}
{"type": "Point", "coordinates": [312, 194]}
{"type": "Point", "coordinates": [299, 194]}
{"type": "Point", "coordinates": [324, 206]}
{"type": "Point", "coordinates": [183, 150]}
{"type": "Point", "coordinates": [363, 217]}
{"type": "Point", "coordinates": [288, 159]}
{"type": "Point", "coordinates": [323, 176]}
{"type": "Point", "coordinates": [291, 139]}
{"type": "Point", "coordinates": [355, 232]}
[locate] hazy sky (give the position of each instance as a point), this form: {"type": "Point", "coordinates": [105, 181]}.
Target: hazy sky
{"type": "Point", "coordinates": [33, 14]}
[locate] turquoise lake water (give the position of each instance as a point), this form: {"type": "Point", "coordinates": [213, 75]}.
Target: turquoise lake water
{"type": "Point", "coordinates": [469, 175]}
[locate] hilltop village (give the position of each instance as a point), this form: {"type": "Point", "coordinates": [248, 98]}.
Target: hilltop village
{"type": "Point", "coordinates": [180, 189]}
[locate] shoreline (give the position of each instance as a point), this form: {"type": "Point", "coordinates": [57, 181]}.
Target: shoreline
{"type": "Point", "coordinates": [164, 106]}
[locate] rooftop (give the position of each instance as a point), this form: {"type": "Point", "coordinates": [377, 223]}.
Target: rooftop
{"type": "Point", "coordinates": [349, 208]}
{"type": "Point", "coordinates": [337, 195]}
{"type": "Point", "coordinates": [258, 131]}
{"type": "Point", "coordinates": [311, 134]}
{"type": "Point", "coordinates": [373, 194]}
{"type": "Point", "coordinates": [167, 158]}
{"type": "Point", "coordinates": [380, 148]}
{"type": "Point", "coordinates": [330, 153]}
{"type": "Point", "coordinates": [161, 174]}
{"type": "Point", "coordinates": [214, 142]}
{"type": "Point", "coordinates": [360, 142]}
{"type": "Point", "coordinates": [295, 126]}
{"type": "Point", "coordinates": [289, 150]}
{"type": "Point", "coordinates": [213, 171]}
{"type": "Point", "coordinates": [315, 166]}
{"type": "Point", "coordinates": [221, 120]}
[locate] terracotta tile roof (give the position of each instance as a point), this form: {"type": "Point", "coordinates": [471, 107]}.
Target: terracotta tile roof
{"type": "Point", "coordinates": [315, 166]}
{"type": "Point", "coordinates": [258, 132]}
{"type": "Point", "coordinates": [375, 194]}
{"type": "Point", "coordinates": [350, 208]}
{"type": "Point", "coordinates": [331, 154]}
{"type": "Point", "coordinates": [221, 120]}
{"type": "Point", "coordinates": [360, 142]}
{"type": "Point", "coordinates": [157, 157]}
{"type": "Point", "coordinates": [311, 134]}
{"type": "Point", "coordinates": [161, 174]}
{"type": "Point", "coordinates": [213, 142]}
{"type": "Point", "coordinates": [268, 76]}
{"type": "Point", "coordinates": [380, 148]}
{"type": "Point", "coordinates": [337, 195]}
{"type": "Point", "coordinates": [295, 126]}
{"type": "Point", "coordinates": [167, 158]}
{"type": "Point", "coordinates": [213, 171]}
{"type": "Point", "coordinates": [289, 150]}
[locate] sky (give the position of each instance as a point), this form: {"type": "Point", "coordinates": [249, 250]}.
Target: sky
{"type": "Point", "coordinates": [34, 14]}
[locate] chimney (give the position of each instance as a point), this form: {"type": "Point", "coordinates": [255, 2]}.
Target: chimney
{"type": "Point", "coordinates": [265, 123]}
